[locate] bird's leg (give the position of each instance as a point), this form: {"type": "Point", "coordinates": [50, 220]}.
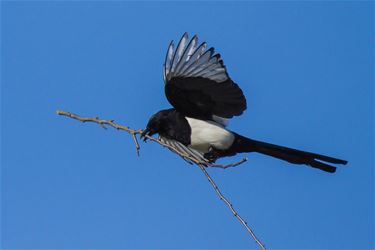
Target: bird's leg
{"type": "Point", "coordinates": [213, 154]}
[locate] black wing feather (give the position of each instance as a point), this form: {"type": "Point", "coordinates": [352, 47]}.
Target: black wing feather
{"type": "Point", "coordinates": [197, 83]}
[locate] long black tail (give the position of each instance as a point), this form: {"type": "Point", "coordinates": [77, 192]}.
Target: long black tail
{"type": "Point", "coordinates": [243, 144]}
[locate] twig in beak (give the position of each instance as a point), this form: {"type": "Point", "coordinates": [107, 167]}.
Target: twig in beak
{"type": "Point", "coordinates": [144, 133]}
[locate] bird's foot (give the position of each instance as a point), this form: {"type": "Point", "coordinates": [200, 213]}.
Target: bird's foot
{"type": "Point", "coordinates": [212, 155]}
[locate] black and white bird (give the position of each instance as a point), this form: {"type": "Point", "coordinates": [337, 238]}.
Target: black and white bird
{"type": "Point", "coordinates": [204, 97]}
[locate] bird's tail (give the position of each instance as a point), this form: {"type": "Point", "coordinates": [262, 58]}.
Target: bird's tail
{"type": "Point", "coordinates": [243, 144]}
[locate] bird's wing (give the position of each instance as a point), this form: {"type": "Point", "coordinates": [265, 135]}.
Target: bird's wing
{"type": "Point", "coordinates": [184, 150]}
{"type": "Point", "coordinates": [197, 83]}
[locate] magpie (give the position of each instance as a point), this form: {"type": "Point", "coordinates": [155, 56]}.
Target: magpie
{"type": "Point", "coordinates": [204, 98]}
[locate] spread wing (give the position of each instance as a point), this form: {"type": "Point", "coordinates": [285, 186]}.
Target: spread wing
{"type": "Point", "coordinates": [197, 83]}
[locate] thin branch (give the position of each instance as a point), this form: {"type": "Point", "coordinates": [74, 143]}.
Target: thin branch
{"type": "Point", "coordinates": [235, 164]}
{"type": "Point", "coordinates": [202, 165]}
{"type": "Point", "coordinates": [137, 147]}
{"type": "Point", "coordinates": [234, 211]}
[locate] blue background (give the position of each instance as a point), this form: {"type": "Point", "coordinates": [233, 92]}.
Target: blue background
{"type": "Point", "coordinates": [305, 67]}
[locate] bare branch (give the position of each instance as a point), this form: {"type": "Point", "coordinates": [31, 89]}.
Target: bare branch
{"type": "Point", "coordinates": [137, 147]}
{"type": "Point", "coordinates": [235, 164]}
{"type": "Point", "coordinates": [186, 157]}
{"type": "Point", "coordinates": [234, 211]}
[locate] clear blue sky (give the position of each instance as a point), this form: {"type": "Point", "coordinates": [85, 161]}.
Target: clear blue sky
{"type": "Point", "coordinates": [307, 69]}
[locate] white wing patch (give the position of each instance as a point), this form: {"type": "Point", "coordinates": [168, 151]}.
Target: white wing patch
{"type": "Point", "coordinates": [190, 60]}
{"type": "Point", "coordinates": [205, 134]}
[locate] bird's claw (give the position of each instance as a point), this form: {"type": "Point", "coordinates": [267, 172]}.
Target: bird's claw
{"type": "Point", "coordinates": [212, 155]}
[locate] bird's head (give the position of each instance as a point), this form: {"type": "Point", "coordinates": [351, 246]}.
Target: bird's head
{"type": "Point", "coordinates": [156, 124]}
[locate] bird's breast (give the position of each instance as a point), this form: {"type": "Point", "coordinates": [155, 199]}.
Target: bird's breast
{"type": "Point", "coordinates": [208, 133]}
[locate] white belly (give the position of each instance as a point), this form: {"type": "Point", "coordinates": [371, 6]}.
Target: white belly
{"type": "Point", "coordinates": [208, 133]}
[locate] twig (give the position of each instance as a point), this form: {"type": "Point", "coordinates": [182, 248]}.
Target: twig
{"type": "Point", "coordinates": [234, 211]}
{"type": "Point", "coordinates": [188, 158]}
{"type": "Point", "coordinates": [235, 164]}
{"type": "Point", "coordinates": [137, 147]}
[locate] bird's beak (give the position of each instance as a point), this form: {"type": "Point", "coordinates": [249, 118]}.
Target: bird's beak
{"type": "Point", "coordinates": [144, 133]}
